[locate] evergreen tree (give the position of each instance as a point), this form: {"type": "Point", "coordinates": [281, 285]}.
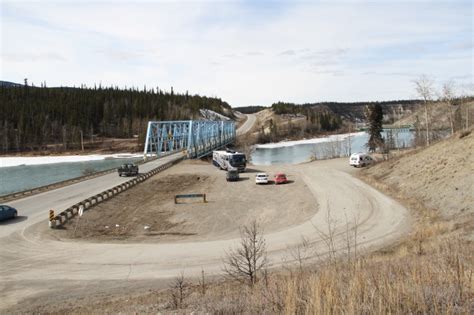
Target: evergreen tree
{"type": "Point", "coordinates": [31, 118]}
{"type": "Point", "coordinates": [375, 117]}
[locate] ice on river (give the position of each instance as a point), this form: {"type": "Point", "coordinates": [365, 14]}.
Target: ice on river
{"type": "Point", "coordinates": [39, 160]}
{"type": "Point", "coordinates": [338, 137]}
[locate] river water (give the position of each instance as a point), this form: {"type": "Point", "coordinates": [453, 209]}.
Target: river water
{"type": "Point", "coordinates": [24, 177]}
{"type": "Point", "coordinates": [321, 148]}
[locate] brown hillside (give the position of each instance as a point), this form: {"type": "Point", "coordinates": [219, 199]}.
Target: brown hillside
{"type": "Point", "coordinates": [440, 176]}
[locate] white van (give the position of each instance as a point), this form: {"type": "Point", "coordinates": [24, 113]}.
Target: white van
{"type": "Point", "coordinates": [360, 160]}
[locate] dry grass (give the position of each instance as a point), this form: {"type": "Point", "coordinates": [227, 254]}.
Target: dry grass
{"type": "Point", "coordinates": [438, 280]}
{"type": "Point", "coordinates": [400, 280]}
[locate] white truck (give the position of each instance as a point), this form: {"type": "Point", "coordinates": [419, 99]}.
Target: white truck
{"type": "Point", "coordinates": [360, 160]}
{"type": "Point", "coordinates": [229, 160]}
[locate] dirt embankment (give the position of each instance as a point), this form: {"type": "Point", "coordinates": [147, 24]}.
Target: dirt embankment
{"type": "Point", "coordinates": [147, 213]}
{"type": "Point", "coordinates": [441, 176]}
{"type": "Point", "coordinates": [438, 179]}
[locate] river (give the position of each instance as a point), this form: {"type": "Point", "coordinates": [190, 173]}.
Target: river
{"type": "Point", "coordinates": [24, 177]}
{"type": "Point", "coordinates": [294, 152]}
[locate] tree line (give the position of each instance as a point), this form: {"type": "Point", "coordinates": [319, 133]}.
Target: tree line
{"type": "Point", "coordinates": [318, 118]}
{"type": "Point", "coordinates": [31, 117]}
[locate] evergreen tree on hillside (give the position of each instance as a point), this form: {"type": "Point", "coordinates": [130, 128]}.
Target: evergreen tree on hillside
{"type": "Point", "coordinates": [31, 118]}
{"type": "Point", "coordinates": [374, 117]}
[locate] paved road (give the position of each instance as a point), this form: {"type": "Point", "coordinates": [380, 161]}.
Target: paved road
{"type": "Point", "coordinates": [35, 208]}
{"type": "Point", "coordinates": [247, 126]}
{"type": "Point", "coordinates": [29, 260]}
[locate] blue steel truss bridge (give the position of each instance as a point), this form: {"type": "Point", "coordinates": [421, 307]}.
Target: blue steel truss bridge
{"type": "Point", "coordinates": [197, 138]}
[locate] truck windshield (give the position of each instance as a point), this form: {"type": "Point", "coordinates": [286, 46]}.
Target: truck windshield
{"type": "Point", "coordinates": [237, 159]}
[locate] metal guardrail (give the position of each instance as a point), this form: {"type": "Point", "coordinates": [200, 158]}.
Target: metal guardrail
{"type": "Point", "coordinates": [41, 189]}
{"type": "Point", "coordinates": [86, 204]}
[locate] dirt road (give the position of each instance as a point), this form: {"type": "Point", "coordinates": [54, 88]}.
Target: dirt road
{"type": "Point", "coordinates": [38, 265]}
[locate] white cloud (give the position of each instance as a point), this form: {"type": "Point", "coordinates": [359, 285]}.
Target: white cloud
{"type": "Point", "coordinates": [245, 54]}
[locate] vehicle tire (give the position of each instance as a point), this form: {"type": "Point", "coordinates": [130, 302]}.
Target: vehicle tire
{"type": "Point", "coordinates": [15, 215]}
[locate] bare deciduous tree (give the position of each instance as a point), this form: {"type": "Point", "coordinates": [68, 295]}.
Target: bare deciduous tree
{"type": "Point", "coordinates": [202, 283]}
{"type": "Point", "coordinates": [179, 291]}
{"type": "Point", "coordinates": [329, 237]}
{"type": "Point", "coordinates": [448, 96]}
{"type": "Point", "coordinates": [424, 88]}
{"type": "Point", "coordinates": [301, 252]}
{"type": "Point", "coordinates": [245, 262]}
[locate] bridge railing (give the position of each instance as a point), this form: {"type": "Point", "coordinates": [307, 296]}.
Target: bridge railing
{"type": "Point", "coordinates": [197, 137]}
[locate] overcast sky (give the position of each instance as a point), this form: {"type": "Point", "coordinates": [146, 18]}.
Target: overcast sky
{"type": "Point", "coordinates": [245, 52]}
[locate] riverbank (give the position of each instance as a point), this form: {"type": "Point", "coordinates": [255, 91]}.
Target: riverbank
{"type": "Point", "coordinates": [11, 161]}
{"type": "Point", "coordinates": [330, 138]}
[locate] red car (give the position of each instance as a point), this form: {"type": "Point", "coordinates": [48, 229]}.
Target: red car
{"type": "Point", "coordinates": [280, 178]}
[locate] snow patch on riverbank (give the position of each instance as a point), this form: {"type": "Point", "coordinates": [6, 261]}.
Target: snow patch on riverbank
{"type": "Point", "coordinates": [331, 138]}
{"type": "Point", "coordinates": [39, 160]}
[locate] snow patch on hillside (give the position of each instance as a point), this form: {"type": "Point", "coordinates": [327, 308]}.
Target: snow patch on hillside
{"type": "Point", "coordinates": [212, 115]}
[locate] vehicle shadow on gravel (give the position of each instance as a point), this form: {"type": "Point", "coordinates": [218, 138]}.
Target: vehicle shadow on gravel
{"type": "Point", "coordinates": [252, 170]}
{"type": "Point", "coordinates": [288, 182]}
{"type": "Point", "coordinates": [18, 219]}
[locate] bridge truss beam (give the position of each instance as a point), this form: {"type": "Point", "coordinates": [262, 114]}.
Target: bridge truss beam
{"type": "Point", "coordinates": [197, 137]}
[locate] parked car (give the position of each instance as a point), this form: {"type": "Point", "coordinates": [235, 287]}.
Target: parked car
{"type": "Point", "coordinates": [280, 178]}
{"type": "Point", "coordinates": [128, 169]}
{"type": "Point", "coordinates": [360, 160]}
{"type": "Point", "coordinates": [261, 178]}
{"type": "Point", "coordinates": [232, 175]}
{"type": "Point", "coordinates": [7, 212]}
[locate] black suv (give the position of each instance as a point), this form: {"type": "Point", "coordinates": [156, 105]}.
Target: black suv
{"type": "Point", "coordinates": [232, 175]}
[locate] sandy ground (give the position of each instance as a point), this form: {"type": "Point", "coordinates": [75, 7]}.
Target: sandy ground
{"type": "Point", "coordinates": [229, 205]}
{"type": "Point", "coordinates": [45, 271]}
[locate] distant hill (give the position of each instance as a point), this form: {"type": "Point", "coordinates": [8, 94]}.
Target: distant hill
{"type": "Point", "coordinates": [349, 111]}
{"type": "Point", "coordinates": [7, 83]}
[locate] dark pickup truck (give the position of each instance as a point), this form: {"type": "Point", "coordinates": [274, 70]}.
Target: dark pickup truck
{"type": "Point", "coordinates": [128, 169]}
